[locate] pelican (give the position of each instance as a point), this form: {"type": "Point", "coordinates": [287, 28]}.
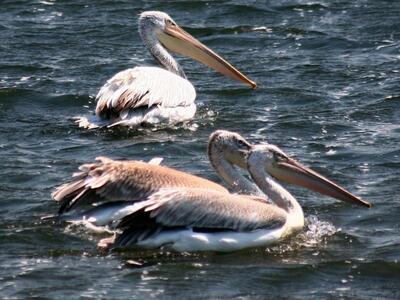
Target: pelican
{"type": "Point", "coordinates": [112, 185]}
{"type": "Point", "coordinates": [152, 95]}
{"type": "Point", "coordinates": [196, 219]}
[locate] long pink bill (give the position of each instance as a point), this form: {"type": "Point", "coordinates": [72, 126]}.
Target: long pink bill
{"type": "Point", "coordinates": [179, 41]}
{"type": "Point", "coordinates": [293, 172]}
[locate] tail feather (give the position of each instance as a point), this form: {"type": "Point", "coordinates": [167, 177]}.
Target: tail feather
{"type": "Point", "coordinates": [84, 187]}
{"type": "Point", "coordinates": [68, 190]}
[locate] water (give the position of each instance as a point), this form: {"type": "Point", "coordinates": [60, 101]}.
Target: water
{"type": "Point", "coordinates": [328, 75]}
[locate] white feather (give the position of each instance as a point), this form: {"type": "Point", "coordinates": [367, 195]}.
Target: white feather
{"type": "Point", "coordinates": [149, 86]}
{"type": "Point", "coordinates": [155, 161]}
{"type": "Point", "coordinates": [188, 241]}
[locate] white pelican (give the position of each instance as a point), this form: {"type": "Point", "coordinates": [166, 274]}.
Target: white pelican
{"type": "Point", "coordinates": [196, 219]}
{"type": "Point", "coordinates": [152, 95]}
{"type": "Point", "coordinates": [113, 184]}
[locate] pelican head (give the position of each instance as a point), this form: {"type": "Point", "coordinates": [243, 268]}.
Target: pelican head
{"type": "Point", "coordinates": [157, 26]}
{"type": "Point", "coordinates": [284, 168]}
{"type": "Point", "coordinates": [230, 146]}
{"type": "Point", "coordinates": [155, 19]}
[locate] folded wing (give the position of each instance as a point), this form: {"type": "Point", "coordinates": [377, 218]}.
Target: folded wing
{"type": "Point", "coordinates": [143, 87]}
{"type": "Point", "coordinates": [200, 210]}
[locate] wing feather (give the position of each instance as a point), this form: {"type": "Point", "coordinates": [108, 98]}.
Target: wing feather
{"type": "Point", "coordinates": [202, 208]}
{"type": "Point", "coordinates": [110, 180]}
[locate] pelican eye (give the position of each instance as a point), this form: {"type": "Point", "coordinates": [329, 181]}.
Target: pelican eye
{"type": "Point", "coordinates": [170, 22]}
{"type": "Point", "coordinates": [280, 156]}
{"type": "Point", "coordinates": [242, 143]}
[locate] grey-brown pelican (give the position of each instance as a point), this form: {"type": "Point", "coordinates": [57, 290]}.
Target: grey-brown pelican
{"type": "Point", "coordinates": [152, 95]}
{"type": "Point", "coordinates": [198, 219]}
{"type": "Point", "coordinates": [161, 207]}
{"type": "Point", "coordinates": [119, 183]}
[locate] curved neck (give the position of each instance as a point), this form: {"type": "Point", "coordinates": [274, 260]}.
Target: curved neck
{"type": "Point", "coordinates": [274, 191]}
{"type": "Point", "coordinates": [159, 52]}
{"type": "Point", "coordinates": [228, 173]}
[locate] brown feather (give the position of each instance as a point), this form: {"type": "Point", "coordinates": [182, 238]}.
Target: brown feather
{"type": "Point", "coordinates": [109, 180]}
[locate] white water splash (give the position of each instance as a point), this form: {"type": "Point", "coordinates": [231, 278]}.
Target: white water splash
{"type": "Point", "coordinates": [314, 234]}
{"type": "Point", "coordinates": [83, 226]}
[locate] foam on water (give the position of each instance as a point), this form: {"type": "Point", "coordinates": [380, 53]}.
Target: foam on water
{"type": "Point", "coordinates": [315, 234]}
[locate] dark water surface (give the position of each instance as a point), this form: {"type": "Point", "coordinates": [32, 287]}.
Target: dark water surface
{"type": "Point", "coordinates": [329, 94]}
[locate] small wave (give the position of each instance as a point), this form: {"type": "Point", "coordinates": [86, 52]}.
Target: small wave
{"type": "Point", "coordinates": [262, 29]}
{"type": "Point", "coordinates": [310, 6]}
